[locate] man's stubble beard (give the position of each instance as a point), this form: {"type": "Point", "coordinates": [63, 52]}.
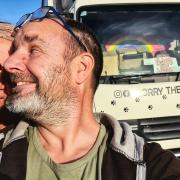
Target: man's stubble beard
{"type": "Point", "coordinates": [51, 104]}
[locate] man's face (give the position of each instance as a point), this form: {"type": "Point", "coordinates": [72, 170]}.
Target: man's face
{"type": "Point", "coordinates": [40, 78]}
{"type": "Point", "coordinates": [4, 48]}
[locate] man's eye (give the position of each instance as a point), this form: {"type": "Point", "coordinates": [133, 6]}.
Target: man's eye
{"type": "Point", "coordinates": [34, 50]}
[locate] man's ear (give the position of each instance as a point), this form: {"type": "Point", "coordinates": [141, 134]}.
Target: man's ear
{"type": "Point", "coordinates": [85, 67]}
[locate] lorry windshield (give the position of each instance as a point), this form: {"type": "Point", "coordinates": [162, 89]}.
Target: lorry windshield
{"type": "Point", "coordinates": [136, 40]}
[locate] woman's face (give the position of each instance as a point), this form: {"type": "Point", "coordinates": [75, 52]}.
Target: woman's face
{"type": "Point", "coordinates": [4, 49]}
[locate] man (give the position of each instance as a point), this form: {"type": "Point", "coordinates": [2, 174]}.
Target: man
{"type": "Point", "coordinates": [6, 118]}
{"type": "Point", "coordinates": [54, 67]}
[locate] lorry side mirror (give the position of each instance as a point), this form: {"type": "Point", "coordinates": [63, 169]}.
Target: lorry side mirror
{"type": "Point", "coordinates": [62, 5]}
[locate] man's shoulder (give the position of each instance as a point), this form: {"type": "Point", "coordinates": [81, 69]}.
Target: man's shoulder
{"type": "Point", "coordinates": [13, 158]}
{"type": "Point", "coordinates": [14, 133]}
{"type": "Point", "coordinates": [161, 164]}
{"type": "Point", "coordinates": [151, 150]}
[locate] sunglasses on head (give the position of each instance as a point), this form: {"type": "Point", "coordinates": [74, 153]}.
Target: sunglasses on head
{"type": "Point", "coordinates": [44, 12]}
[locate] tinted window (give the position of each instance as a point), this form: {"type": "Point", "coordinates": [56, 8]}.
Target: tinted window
{"type": "Point", "coordinates": [141, 35]}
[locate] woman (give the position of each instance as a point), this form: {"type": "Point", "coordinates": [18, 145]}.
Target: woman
{"type": "Point", "coordinates": [6, 118]}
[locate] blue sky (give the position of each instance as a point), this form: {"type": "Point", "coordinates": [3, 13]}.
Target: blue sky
{"type": "Point", "coordinates": [12, 10]}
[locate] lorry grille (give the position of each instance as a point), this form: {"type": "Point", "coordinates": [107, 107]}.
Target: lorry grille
{"type": "Point", "coordinates": [159, 130]}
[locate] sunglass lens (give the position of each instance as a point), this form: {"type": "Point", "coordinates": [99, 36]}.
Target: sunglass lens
{"type": "Point", "coordinates": [22, 20]}
{"type": "Point", "coordinates": [40, 13]}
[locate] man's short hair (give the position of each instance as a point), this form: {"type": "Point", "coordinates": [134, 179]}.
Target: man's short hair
{"type": "Point", "coordinates": [6, 30]}
{"type": "Point", "coordinates": [89, 40]}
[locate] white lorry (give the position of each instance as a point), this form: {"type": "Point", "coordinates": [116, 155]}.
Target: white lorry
{"type": "Point", "coordinates": [141, 47]}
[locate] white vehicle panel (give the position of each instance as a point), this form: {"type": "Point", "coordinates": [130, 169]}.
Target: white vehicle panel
{"type": "Point", "coordinates": [138, 101]}
{"type": "Point", "coordinates": [80, 3]}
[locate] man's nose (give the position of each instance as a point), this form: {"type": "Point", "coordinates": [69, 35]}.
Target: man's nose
{"type": "Point", "coordinates": [15, 63]}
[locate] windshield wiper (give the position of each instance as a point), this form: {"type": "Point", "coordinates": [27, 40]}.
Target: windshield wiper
{"type": "Point", "coordinates": [134, 79]}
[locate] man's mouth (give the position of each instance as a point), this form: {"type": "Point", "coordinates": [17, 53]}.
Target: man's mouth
{"type": "Point", "coordinates": [20, 84]}
{"type": "Point", "coordinates": [22, 88]}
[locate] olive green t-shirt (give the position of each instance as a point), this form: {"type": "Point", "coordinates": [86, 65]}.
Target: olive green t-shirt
{"type": "Point", "coordinates": [41, 167]}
